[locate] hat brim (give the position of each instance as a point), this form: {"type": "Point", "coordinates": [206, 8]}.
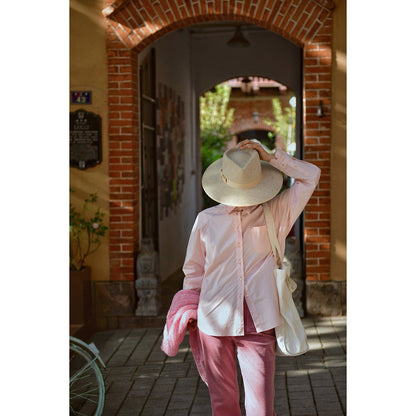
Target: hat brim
{"type": "Point", "coordinates": [268, 187]}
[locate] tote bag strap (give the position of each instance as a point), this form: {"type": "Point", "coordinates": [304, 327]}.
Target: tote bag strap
{"type": "Point", "coordinates": [271, 229]}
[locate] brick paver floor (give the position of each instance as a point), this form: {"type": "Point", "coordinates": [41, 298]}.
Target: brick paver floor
{"type": "Point", "coordinates": [142, 380]}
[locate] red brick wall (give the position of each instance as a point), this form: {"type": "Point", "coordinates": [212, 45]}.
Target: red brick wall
{"type": "Point", "coordinates": [123, 158]}
{"type": "Point", "coordinates": [243, 114]}
{"type": "Point", "coordinates": [317, 146]}
{"type": "Point", "coordinates": [134, 24]}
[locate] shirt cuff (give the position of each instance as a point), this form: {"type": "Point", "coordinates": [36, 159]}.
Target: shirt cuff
{"type": "Point", "coordinates": [280, 160]}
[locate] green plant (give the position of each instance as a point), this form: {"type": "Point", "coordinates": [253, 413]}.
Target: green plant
{"type": "Point", "coordinates": [215, 123]}
{"type": "Point", "coordinates": [85, 232]}
{"type": "Point", "coordinates": [284, 123]}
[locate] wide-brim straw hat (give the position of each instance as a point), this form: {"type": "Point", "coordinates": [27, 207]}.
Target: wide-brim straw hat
{"type": "Point", "coordinates": [241, 179]}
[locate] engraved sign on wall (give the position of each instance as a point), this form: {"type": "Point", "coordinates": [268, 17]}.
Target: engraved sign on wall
{"type": "Point", "coordinates": [85, 139]}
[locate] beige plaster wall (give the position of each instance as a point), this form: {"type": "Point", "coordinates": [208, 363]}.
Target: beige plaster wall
{"type": "Point", "coordinates": [88, 63]}
{"type": "Point", "coordinates": [339, 146]}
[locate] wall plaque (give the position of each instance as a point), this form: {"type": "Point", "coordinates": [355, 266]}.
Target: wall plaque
{"type": "Point", "coordinates": [84, 139]}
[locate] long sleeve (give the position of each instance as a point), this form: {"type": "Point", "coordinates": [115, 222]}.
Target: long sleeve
{"type": "Point", "coordinates": [194, 265]}
{"type": "Point", "coordinates": [289, 204]}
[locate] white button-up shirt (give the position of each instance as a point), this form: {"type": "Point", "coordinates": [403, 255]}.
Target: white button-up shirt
{"type": "Point", "coordinates": [229, 256]}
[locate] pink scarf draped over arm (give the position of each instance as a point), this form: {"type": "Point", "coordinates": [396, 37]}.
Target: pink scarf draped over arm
{"type": "Point", "coordinates": [184, 306]}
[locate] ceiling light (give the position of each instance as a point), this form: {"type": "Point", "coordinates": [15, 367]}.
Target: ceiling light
{"type": "Point", "coordinates": [238, 40]}
{"type": "Point", "coordinates": [245, 85]}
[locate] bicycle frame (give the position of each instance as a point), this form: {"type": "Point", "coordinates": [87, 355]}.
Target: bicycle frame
{"type": "Point", "coordinates": [91, 348]}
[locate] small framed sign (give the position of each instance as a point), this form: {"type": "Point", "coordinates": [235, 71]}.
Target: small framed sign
{"type": "Point", "coordinates": [85, 139]}
{"type": "Point", "coordinates": [81, 97]}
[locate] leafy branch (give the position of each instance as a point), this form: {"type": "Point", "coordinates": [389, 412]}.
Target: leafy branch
{"type": "Point", "coordinates": [284, 124]}
{"type": "Point", "coordinates": [85, 232]}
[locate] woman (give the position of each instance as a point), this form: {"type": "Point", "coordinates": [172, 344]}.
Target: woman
{"type": "Point", "coordinates": [229, 261]}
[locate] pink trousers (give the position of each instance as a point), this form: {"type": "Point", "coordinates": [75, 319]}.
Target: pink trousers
{"type": "Point", "coordinates": [256, 357]}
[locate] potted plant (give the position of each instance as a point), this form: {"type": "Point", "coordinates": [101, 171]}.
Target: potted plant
{"type": "Point", "coordinates": [86, 232]}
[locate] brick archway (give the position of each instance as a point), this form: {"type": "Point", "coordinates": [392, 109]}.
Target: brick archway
{"type": "Point", "coordinates": [134, 24]}
{"type": "Point", "coordinates": [249, 124]}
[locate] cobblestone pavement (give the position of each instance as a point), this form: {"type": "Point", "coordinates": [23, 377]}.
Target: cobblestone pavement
{"type": "Point", "coordinates": [142, 380]}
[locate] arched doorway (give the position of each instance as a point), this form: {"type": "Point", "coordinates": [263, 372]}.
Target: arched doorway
{"type": "Point", "coordinates": [133, 27]}
{"type": "Point", "coordinates": [188, 62]}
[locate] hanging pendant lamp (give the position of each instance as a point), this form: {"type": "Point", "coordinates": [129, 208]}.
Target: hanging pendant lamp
{"type": "Point", "coordinates": [238, 40]}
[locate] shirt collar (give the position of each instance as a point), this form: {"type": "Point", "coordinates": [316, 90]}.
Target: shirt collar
{"type": "Point", "coordinates": [244, 210]}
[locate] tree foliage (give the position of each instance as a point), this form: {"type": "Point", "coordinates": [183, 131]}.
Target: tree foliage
{"type": "Point", "coordinates": [215, 123]}
{"type": "Point", "coordinates": [284, 124]}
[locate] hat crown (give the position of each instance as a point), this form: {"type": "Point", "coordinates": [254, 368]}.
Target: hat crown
{"type": "Point", "coordinates": [241, 167]}
{"type": "Point", "coordinates": [241, 179]}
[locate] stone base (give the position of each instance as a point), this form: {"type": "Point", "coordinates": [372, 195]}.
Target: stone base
{"type": "Point", "coordinates": [115, 303]}
{"type": "Point", "coordinates": [326, 298]}
{"type": "Point", "coordinates": [114, 298]}
{"type": "Point", "coordinates": [119, 322]}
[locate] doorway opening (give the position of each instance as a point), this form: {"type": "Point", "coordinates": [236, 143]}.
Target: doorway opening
{"type": "Point", "coordinates": [249, 107]}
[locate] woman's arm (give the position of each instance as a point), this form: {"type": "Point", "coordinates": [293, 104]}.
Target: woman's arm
{"type": "Point", "coordinates": [290, 203]}
{"type": "Point", "coordinates": [194, 266]}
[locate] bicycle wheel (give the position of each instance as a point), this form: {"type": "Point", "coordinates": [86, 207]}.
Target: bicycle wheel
{"type": "Point", "coordinates": [86, 383]}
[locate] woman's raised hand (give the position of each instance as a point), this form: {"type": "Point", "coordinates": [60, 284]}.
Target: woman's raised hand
{"type": "Point", "coordinates": [249, 144]}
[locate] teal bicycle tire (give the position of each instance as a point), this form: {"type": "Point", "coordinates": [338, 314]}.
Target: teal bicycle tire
{"type": "Point", "coordinates": [94, 387]}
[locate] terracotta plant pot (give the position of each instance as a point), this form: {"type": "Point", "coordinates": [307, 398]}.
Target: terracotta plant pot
{"type": "Point", "coordinates": [80, 296]}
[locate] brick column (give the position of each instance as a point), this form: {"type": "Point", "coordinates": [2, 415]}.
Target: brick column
{"type": "Point", "coordinates": [317, 147]}
{"type": "Point", "coordinates": [124, 163]}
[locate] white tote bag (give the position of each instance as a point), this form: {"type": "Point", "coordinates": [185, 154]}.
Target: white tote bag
{"type": "Point", "coordinates": [290, 335]}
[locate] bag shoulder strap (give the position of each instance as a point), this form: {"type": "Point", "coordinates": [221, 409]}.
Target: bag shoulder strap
{"type": "Point", "coordinates": [271, 229]}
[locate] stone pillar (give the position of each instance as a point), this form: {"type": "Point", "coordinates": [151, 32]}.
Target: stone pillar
{"type": "Point", "coordinates": [326, 298]}
{"type": "Point", "coordinates": [148, 286]}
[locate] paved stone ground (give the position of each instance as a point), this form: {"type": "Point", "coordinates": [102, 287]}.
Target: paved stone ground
{"type": "Point", "coordinates": [142, 380]}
